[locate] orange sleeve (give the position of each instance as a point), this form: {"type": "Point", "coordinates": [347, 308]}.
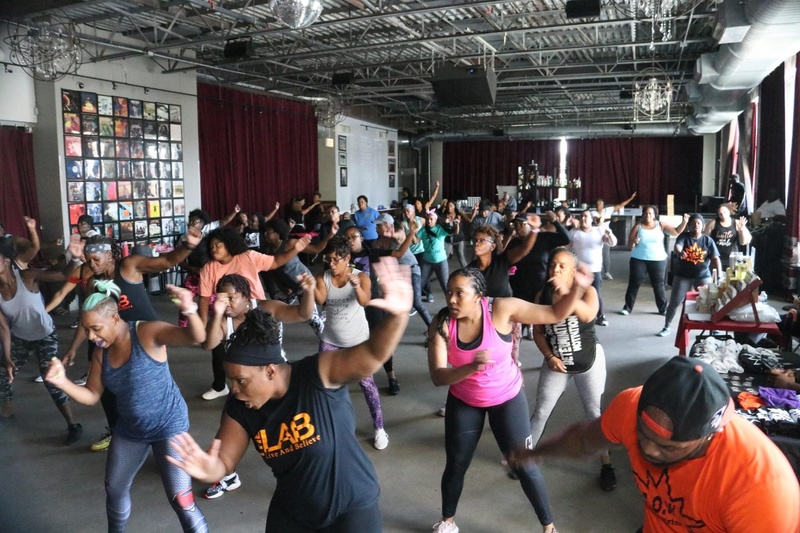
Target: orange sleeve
{"type": "Point", "coordinates": [262, 261]}
{"type": "Point", "coordinates": [206, 281]}
{"type": "Point", "coordinates": [616, 417]}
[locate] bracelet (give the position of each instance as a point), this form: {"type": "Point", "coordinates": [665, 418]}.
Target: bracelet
{"type": "Point", "coordinates": [191, 311]}
{"type": "Point", "coordinates": [547, 358]}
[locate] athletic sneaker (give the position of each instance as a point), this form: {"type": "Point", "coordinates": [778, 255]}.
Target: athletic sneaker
{"type": "Point", "coordinates": [381, 439]}
{"type": "Point", "coordinates": [81, 380]}
{"type": "Point", "coordinates": [412, 312]}
{"type": "Point", "coordinates": [663, 333]}
{"type": "Point", "coordinates": [608, 276]}
{"type": "Point", "coordinates": [102, 443]}
{"type": "Point", "coordinates": [212, 394]}
{"type": "Point", "coordinates": [429, 298]}
{"type": "Point", "coordinates": [394, 387]}
{"type": "Point", "coordinates": [624, 312]}
{"type": "Point", "coordinates": [608, 479]}
{"type": "Point", "coordinates": [226, 484]}
{"type": "Point", "coordinates": [38, 379]}
{"type": "Point", "coordinates": [601, 321]}
{"type": "Point", "coordinates": [74, 432]}
{"type": "Point", "coordinates": [442, 411]}
{"type": "Point", "coordinates": [75, 324]}
{"type": "Point", "coordinates": [445, 527]}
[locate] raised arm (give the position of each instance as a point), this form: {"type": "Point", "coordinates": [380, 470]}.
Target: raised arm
{"type": "Point", "coordinates": [676, 231]}
{"type": "Point", "coordinates": [154, 265]}
{"type": "Point", "coordinates": [517, 310]}
{"type": "Point", "coordinates": [33, 236]}
{"type": "Point", "coordinates": [351, 364]}
{"type": "Point", "coordinates": [69, 285]}
{"type": "Point", "coordinates": [434, 194]}
{"type": "Point", "coordinates": [227, 220]}
{"type": "Point", "coordinates": [319, 246]}
{"type": "Point", "coordinates": [309, 208]}
{"type": "Point", "coordinates": [516, 254]}
{"type": "Point", "coordinates": [624, 202]}
{"type": "Point", "coordinates": [294, 313]}
{"type": "Point", "coordinates": [299, 245]}
{"type": "Point", "coordinates": [273, 212]}
{"type": "Point", "coordinates": [165, 334]}
{"type": "Point", "coordinates": [744, 234]}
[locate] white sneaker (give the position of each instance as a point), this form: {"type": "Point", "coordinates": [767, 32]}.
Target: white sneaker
{"type": "Point", "coordinates": [445, 527]}
{"type": "Point", "coordinates": [212, 394]}
{"type": "Point", "coordinates": [226, 484]}
{"type": "Point", "coordinates": [381, 439]}
{"type": "Point", "coordinates": [442, 411]}
{"type": "Point", "coordinates": [608, 276]}
{"type": "Point", "coordinates": [81, 381]}
{"type": "Point", "coordinates": [38, 379]}
{"type": "Point", "coordinates": [663, 333]}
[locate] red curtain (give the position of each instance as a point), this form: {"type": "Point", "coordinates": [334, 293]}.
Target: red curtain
{"type": "Point", "coordinates": [18, 197]}
{"type": "Point", "coordinates": [793, 201]}
{"type": "Point", "coordinates": [476, 168]}
{"type": "Point", "coordinates": [771, 169]}
{"type": "Point", "coordinates": [614, 168]}
{"type": "Point", "coordinates": [254, 150]}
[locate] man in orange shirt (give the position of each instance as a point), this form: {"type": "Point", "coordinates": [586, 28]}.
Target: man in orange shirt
{"type": "Point", "coordinates": [698, 465]}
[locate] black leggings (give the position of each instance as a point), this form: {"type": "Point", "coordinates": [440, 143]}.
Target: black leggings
{"type": "Point", "coordinates": [367, 520]}
{"type": "Point", "coordinates": [125, 458]}
{"type": "Point", "coordinates": [509, 421]}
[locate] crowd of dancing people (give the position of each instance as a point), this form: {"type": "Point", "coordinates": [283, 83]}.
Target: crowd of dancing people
{"type": "Point", "coordinates": [357, 278]}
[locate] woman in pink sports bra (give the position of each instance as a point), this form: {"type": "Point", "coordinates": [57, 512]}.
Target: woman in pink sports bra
{"type": "Point", "coordinates": [470, 351]}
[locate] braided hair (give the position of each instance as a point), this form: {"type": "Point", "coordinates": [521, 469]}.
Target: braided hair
{"type": "Point", "coordinates": [104, 299]}
{"type": "Point", "coordinates": [237, 281]}
{"type": "Point", "coordinates": [259, 327]}
{"type": "Point", "coordinates": [478, 283]}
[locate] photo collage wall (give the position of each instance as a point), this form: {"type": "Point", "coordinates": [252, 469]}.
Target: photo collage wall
{"type": "Point", "coordinates": [124, 166]}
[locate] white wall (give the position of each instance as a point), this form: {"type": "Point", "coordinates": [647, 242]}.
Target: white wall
{"type": "Point", "coordinates": [131, 75]}
{"type": "Point", "coordinates": [18, 104]}
{"type": "Point", "coordinates": [367, 157]}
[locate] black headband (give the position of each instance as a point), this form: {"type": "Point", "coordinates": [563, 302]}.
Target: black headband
{"type": "Point", "coordinates": [253, 354]}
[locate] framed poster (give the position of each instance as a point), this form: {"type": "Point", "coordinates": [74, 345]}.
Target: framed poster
{"type": "Point", "coordinates": [391, 181]}
{"type": "Point", "coordinates": [392, 148]}
{"type": "Point", "coordinates": [343, 177]}
{"type": "Point", "coordinates": [392, 166]}
{"type": "Point", "coordinates": [342, 159]}
{"type": "Point", "coordinates": [342, 143]}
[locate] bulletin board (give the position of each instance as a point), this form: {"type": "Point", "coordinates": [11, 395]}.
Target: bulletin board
{"type": "Point", "coordinates": [124, 166]}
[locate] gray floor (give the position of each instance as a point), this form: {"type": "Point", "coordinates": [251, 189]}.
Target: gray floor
{"type": "Point", "coordinates": [48, 487]}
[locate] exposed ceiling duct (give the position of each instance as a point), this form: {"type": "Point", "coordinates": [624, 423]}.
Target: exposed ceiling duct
{"type": "Point", "coordinates": [723, 80]}
{"type": "Point", "coordinates": [556, 132]}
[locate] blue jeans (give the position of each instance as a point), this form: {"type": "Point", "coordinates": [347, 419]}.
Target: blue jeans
{"type": "Point", "coordinates": [416, 284]}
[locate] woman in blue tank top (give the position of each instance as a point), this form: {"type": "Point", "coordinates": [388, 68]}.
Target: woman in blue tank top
{"type": "Point", "coordinates": [132, 363]}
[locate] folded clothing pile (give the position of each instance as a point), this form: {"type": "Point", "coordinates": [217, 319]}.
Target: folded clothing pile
{"type": "Point", "coordinates": [721, 353]}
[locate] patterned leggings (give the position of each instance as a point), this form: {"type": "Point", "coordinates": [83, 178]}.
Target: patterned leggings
{"type": "Point", "coordinates": [125, 458]}
{"type": "Point", "coordinates": [44, 349]}
{"type": "Point", "coordinates": [368, 387]}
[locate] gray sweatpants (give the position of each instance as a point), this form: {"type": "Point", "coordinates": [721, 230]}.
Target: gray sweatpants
{"type": "Point", "coordinates": [591, 385]}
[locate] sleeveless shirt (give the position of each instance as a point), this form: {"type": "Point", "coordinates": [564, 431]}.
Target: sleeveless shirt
{"type": "Point", "coordinates": [572, 341]}
{"type": "Point", "coordinates": [149, 403]}
{"type": "Point", "coordinates": [134, 302]}
{"type": "Point", "coordinates": [345, 320]}
{"type": "Point", "coordinates": [651, 244]}
{"type": "Point", "coordinates": [25, 313]}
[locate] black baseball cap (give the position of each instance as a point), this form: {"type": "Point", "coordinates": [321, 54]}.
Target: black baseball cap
{"type": "Point", "coordinates": [692, 394]}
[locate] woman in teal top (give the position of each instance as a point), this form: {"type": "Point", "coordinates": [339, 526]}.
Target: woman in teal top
{"type": "Point", "coordinates": [649, 257]}
{"type": "Point", "coordinates": [434, 258]}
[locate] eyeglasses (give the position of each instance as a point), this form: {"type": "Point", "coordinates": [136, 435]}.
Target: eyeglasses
{"type": "Point", "coordinates": [332, 260]}
{"type": "Point", "coordinates": [353, 237]}
{"type": "Point", "coordinates": [484, 241]}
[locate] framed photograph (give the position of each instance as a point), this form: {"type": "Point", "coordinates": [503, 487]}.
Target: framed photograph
{"type": "Point", "coordinates": [135, 108]}
{"type": "Point", "coordinates": [111, 212]}
{"type": "Point", "coordinates": [343, 177]}
{"type": "Point", "coordinates": [162, 112]}
{"type": "Point", "coordinates": [126, 210]}
{"type": "Point", "coordinates": [125, 192]}
{"type": "Point", "coordinates": [123, 149]}
{"type": "Point", "coordinates": [392, 166]}
{"type": "Point", "coordinates": [342, 159]}
{"type": "Point", "coordinates": [126, 231]}
{"type": "Point", "coordinates": [137, 150]}
{"type": "Point", "coordinates": [150, 130]}
{"type": "Point", "coordinates": [175, 113]}
{"type": "Point", "coordinates": [75, 192]}
{"type": "Point", "coordinates": [178, 206]}
{"type": "Point", "coordinates": [110, 191]}
{"type": "Point", "coordinates": [72, 123]}
{"type": "Point", "coordinates": [140, 210]}
{"type": "Point", "coordinates": [140, 192]}
{"type": "Point", "coordinates": [91, 148]}
{"type": "Point", "coordinates": [96, 212]}
{"type": "Point", "coordinates": [120, 106]}
{"type": "Point", "coordinates": [177, 171]}
{"type": "Point", "coordinates": [342, 143]}
{"type": "Point", "coordinates": [154, 227]}
{"type": "Point", "coordinates": [74, 169]}
{"type": "Point", "coordinates": [175, 132]}
{"type": "Point", "coordinates": [392, 148]}
{"type": "Point", "coordinates": [180, 225]}
{"type": "Point", "coordinates": [136, 131]}
{"type": "Point", "coordinates": [153, 209]}
{"type": "Point", "coordinates": [109, 169]}
{"type": "Point", "coordinates": [123, 170]}
{"type": "Point", "coordinates": [88, 103]}
{"type": "Point", "coordinates": [137, 170]}
{"type": "Point", "coordinates": [72, 146]}
{"type": "Point", "coordinates": [149, 112]}
{"type": "Point", "coordinates": [391, 181]}
{"type": "Point", "coordinates": [121, 127]}
{"type": "Point", "coordinates": [140, 229]}
{"type": "Point", "coordinates": [75, 212]}
{"type": "Point", "coordinates": [91, 169]}
{"type": "Point", "coordinates": [107, 148]}
{"type": "Point", "coordinates": [177, 151]}
{"type": "Point", "coordinates": [70, 101]}
{"type": "Point", "coordinates": [177, 189]}
{"type": "Point", "coordinates": [94, 193]}
{"type": "Point", "coordinates": [106, 126]}
{"type": "Point", "coordinates": [166, 208]}
{"type": "Point", "coordinates": [89, 125]}
{"type": "Point", "coordinates": [163, 132]}
{"type": "Point", "coordinates": [112, 231]}
{"type": "Point", "coordinates": [105, 105]}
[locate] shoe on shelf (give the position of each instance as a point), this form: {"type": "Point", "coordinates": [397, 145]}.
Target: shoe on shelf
{"type": "Point", "coordinates": [381, 439]}
{"type": "Point", "coordinates": [212, 394]}
{"type": "Point", "coordinates": [74, 432]}
{"type": "Point", "coordinates": [624, 312]}
{"type": "Point", "coordinates": [601, 321]}
{"type": "Point", "coordinates": [442, 410]}
{"type": "Point", "coordinates": [412, 312]}
{"type": "Point", "coordinates": [82, 380]}
{"type": "Point", "coordinates": [663, 333]}
{"type": "Point", "coordinates": [226, 484]}
{"type": "Point", "coordinates": [608, 479]}
{"type": "Point", "coordinates": [75, 324]}
{"type": "Point", "coordinates": [394, 387]}
{"type": "Point", "coordinates": [608, 276]}
{"type": "Point", "coordinates": [38, 379]}
{"type": "Point", "coordinates": [102, 443]}
{"type": "Point", "coordinates": [445, 527]}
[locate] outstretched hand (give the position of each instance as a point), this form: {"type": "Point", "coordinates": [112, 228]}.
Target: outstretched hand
{"type": "Point", "coordinates": [395, 282]}
{"type": "Point", "coordinates": [183, 298]}
{"type": "Point", "coordinates": [56, 374]}
{"type": "Point", "coordinates": [76, 245]}
{"type": "Point", "coordinates": [191, 458]}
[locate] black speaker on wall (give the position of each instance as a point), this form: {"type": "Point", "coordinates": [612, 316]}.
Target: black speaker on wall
{"type": "Point", "coordinates": [579, 9]}
{"type": "Point", "coordinates": [342, 78]}
{"type": "Point", "coordinates": [459, 86]}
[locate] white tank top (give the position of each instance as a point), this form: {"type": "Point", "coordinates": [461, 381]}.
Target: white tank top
{"type": "Point", "coordinates": [25, 313]}
{"type": "Point", "coordinates": [345, 321]}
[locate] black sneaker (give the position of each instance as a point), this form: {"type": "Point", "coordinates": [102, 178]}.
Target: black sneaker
{"type": "Point", "coordinates": [608, 479]}
{"type": "Point", "coordinates": [601, 321]}
{"type": "Point", "coordinates": [74, 432]}
{"type": "Point", "coordinates": [394, 387]}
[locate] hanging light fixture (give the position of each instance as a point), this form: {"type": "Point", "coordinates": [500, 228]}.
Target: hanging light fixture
{"type": "Point", "coordinates": [296, 14]}
{"type": "Point", "coordinates": [47, 49]}
{"type": "Point", "coordinates": [329, 112]}
{"type": "Point", "coordinates": [652, 95]}
{"type": "Point", "coordinates": [662, 13]}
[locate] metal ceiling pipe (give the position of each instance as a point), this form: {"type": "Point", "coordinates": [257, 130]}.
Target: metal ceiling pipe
{"type": "Point", "coordinates": [723, 80]}
{"type": "Point", "coordinates": [555, 132]}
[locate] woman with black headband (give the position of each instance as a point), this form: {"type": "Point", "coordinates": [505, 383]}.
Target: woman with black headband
{"type": "Point", "coordinates": [301, 421]}
{"type": "Point", "coordinates": [131, 362]}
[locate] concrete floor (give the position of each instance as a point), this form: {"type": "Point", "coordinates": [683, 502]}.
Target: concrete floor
{"type": "Point", "coordinates": [48, 487]}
